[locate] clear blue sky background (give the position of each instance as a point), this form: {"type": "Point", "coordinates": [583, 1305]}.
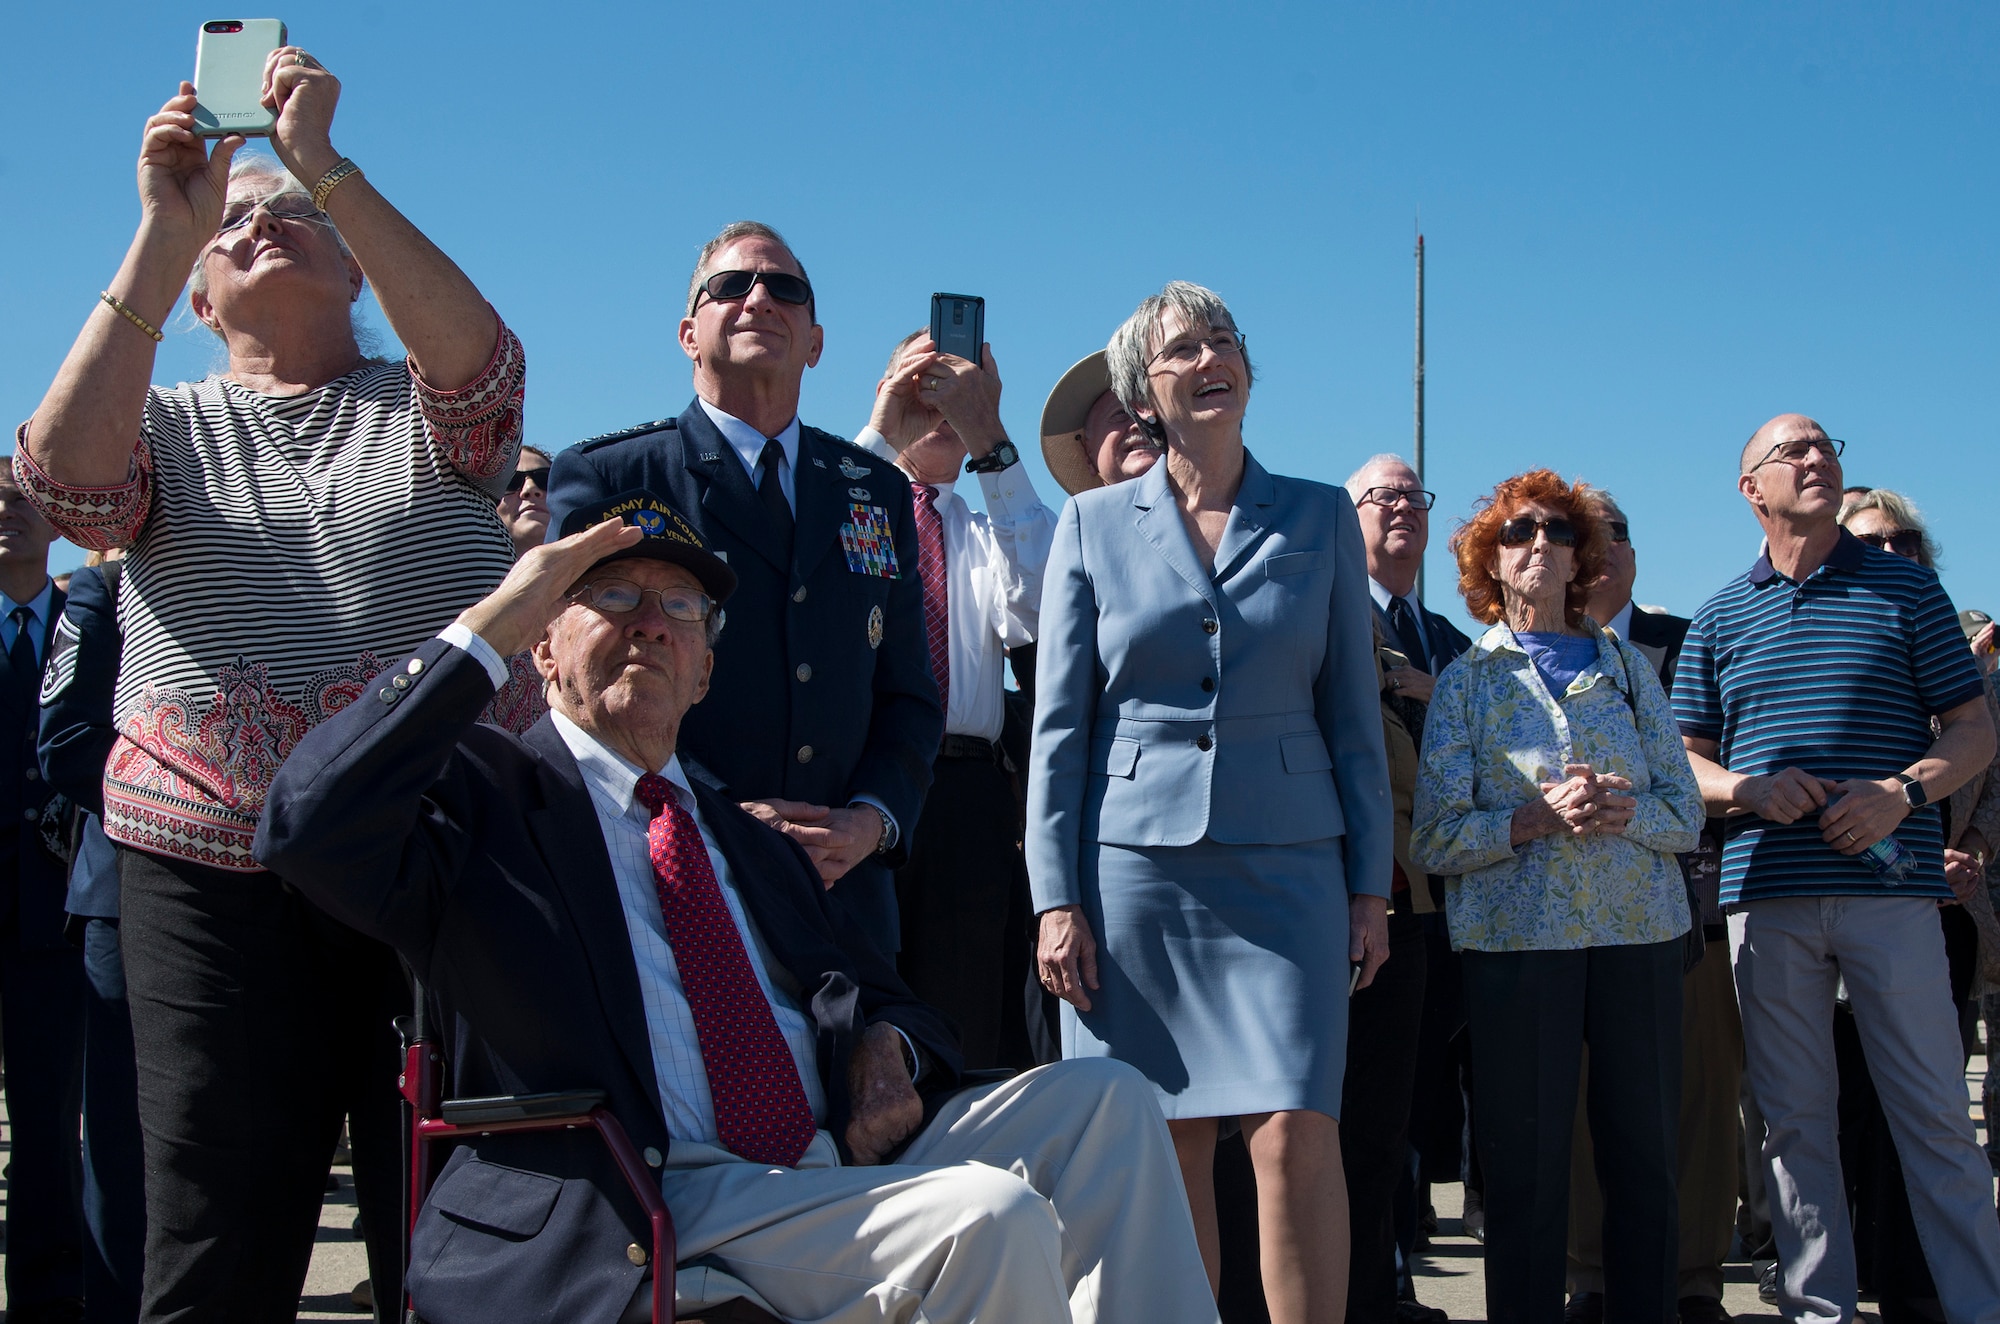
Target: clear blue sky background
{"type": "Point", "coordinates": [1651, 226]}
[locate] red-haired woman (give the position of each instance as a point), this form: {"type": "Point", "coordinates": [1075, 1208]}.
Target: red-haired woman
{"type": "Point", "coordinates": [1553, 795]}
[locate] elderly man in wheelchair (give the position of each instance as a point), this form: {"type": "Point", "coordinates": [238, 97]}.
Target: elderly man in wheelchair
{"type": "Point", "coordinates": [747, 1089]}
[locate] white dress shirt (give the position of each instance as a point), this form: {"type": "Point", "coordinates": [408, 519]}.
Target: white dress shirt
{"type": "Point", "coordinates": [38, 608]}
{"type": "Point", "coordinates": [1621, 624]}
{"type": "Point", "coordinates": [748, 443]}
{"type": "Point", "coordinates": [1383, 597]}
{"type": "Point", "coordinates": [993, 565]}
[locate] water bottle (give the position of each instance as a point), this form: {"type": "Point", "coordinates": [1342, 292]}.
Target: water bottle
{"type": "Point", "coordinates": [1889, 858]}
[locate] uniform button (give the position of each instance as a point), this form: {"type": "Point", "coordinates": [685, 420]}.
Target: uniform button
{"type": "Point", "coordinates": [416, 665]}
{"type": "Point", "coordinates": [652, 1157]}
{"type": "Point", "coordinates": [1208, 684]}
{"type": "Point", "coordinates": [401, 682]}
{"type": "Point", "coordinates": [33, 774]}
{"type": "Point", "coordinates": [32, 815]}
{"type": "Point", "coordinates": [386, 695]}
{"type": "Point", "coordinates": [805, 753]}
{"type": "Point", "coordinates": [1203, 743]}
{"type": "Point", "coordinates": [799, 593]}
{"type": "Point", "coordinates": [1209, 626]}
{"type": "Point", "coordinates": [805, 672]}
{"type": "Point", "coordinates": [635, 1253]}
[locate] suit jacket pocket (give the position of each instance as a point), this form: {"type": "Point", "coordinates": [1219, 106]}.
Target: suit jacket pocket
{"type": "Point", "coordinates": [498, 1198]}
{"type": "Point", "coordinates": [1305, 752]}
{"type": "Point", "coordinates": [1116, 757]}
{"type": "Point", "coordinates": [1291, 563]}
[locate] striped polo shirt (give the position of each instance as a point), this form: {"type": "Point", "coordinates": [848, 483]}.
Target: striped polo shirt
{"type": "Point", "coordinates": [1839, 676]}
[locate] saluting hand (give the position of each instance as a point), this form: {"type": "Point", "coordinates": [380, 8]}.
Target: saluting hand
{"type": "Point", "coordinates": [536, 590]}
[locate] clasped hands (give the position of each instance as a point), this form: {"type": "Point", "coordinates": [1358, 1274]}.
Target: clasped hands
{"type": "Point", "coordinates": [835, 838]}
{"type": "Point", "coordinates": [1584, 803]}
{"type": "Point", "coordinates": [1867, 811]}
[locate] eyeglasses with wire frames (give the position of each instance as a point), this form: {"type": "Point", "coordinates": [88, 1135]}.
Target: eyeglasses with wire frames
{"type": "Point", "coordinates": [1798, 452]}
{"type": "Point", "coordinates": [1903, 542]}
{"type": "Point", "coordinates": [539, 476]}
{"type": "Point", "coordinates": [621, 597]}
{"type": "Point", "coordinates": [729, 286]}
{"type": "Point", "coordinates": [287, 206]}
{"type": "Point", "coordinates": [1185, 352]}
{"type": "Point", "coordinates": [1521, 530]}
{"type": "Point", "coordinates": [1387, 497]}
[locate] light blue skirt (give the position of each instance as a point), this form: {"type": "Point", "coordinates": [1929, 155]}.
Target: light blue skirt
{"type": "Point", "coordinates": [1223, 973]}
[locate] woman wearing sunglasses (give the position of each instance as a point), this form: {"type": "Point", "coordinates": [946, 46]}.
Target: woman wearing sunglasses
{"type": "Point", "coordinates": [1553, 795]}
{"type": "Point", "coordinates": [1209, 818]}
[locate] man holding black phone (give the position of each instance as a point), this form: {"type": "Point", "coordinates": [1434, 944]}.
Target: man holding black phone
{"type": "Point", "coordinates": [982, 578]}
{"type": "Point", "coordinates": [823, 718]}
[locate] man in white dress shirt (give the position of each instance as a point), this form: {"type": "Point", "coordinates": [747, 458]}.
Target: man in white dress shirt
{"type": "Point", "coordinates": [982, 575]}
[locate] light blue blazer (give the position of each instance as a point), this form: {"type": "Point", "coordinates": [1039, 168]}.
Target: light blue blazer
{"type": "Point", "coordinates": [1172, 705]}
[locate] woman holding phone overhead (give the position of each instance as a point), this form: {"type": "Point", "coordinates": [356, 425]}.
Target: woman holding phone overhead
{"type": "Point", "coordinates": [1209, 819]}
{"type": "Point", "coordinates": [294, 525]}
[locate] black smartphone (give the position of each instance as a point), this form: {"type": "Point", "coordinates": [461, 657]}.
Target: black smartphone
{"type": "Point", "coordinates": [958, 324]}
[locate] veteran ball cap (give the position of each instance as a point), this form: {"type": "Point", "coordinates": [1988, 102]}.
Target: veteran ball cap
{"type": "Point", "coordinates": [668, 537]}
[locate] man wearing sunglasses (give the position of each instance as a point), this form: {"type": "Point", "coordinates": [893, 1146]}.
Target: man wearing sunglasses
{"type": "Point", "coordinates": [823, 718]}
{"type": "Point", "coordinates": [1805, 696]}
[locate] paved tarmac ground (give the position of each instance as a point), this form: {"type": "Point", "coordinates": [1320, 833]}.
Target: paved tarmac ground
{"type": "Point", "coordinates": [1450, 1275]}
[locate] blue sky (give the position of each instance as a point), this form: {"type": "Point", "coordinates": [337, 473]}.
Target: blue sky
{"type": "Point", "coordinates": [1651, 227]}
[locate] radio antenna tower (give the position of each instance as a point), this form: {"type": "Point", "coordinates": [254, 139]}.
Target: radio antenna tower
{"type": "Point", "coordinates": [1418, 458]}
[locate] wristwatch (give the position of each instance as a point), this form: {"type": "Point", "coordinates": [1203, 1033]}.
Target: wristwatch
{"type": "Point", "coordinates": [1002, 456]}
{"type": "Point", "coordinates": [888, 842]}
{"type": "Point", "coordinates": [1913, 791]}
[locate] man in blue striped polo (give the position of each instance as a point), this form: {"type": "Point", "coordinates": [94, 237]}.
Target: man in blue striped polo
{"type": "Point", "coordinates": [1806, 696]}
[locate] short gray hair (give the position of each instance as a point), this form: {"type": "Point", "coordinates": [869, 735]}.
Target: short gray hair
{"type": "Point", "coordinates": [728, 235]}
{"type": "Point", "coordinates": [253, 166]}
{"type": "Point", "coordinates": [1902, 512]}
{"type": "Point", "coordinates": [1597, 496]}
{"type": "Point", "coordinates": [1133, 345]}
{"type": "Point", "coordinates": [1354, 485]}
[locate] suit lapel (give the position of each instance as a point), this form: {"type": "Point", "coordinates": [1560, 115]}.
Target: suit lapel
{"type": "Point", "coordinates": [822, 500]}
{"type": "Point", "coordinates": [1245, 530]}
{"type": "Point", "coordinates": [726, 494]}
{"type": "Point", "coordinates": [20, 692]}
{"type": "Point", "coordinates": [1159, 522]}
{"type": "Point", "coordinates": [571, 843]}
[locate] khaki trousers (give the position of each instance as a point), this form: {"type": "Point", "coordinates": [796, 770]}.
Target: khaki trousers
{"type": "Point", "coordinates": [1711, 1068]}
{"type": "Point", "coordinates": [1051, 1196]}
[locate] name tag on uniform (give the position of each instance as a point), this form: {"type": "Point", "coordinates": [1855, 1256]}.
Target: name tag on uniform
{"type": "Point", "coordinates": [870, 547]}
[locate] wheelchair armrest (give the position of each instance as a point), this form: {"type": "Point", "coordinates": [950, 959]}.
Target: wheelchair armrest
{"type": "Point", "coordinates": [519, 1107]}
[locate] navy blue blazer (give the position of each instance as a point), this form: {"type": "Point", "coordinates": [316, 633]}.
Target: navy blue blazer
{"type": "Point", "coordinates": [1445, 640]}
{"type": "Point", "coordinates": [478, 856]}
{"type": "Point", "coordinates": [78, 729]}
{"type": "Point", "coordinates": [32, 881]}
{"type": "Point", "coordinates": [822, 688]}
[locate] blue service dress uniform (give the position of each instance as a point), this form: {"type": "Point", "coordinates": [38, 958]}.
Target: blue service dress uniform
{"type": "Point", "coordinates": [822, 688]}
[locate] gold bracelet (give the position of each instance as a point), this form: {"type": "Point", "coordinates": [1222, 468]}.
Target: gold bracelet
{"type": "Point", "coordinates": [329, 181]}
{"type": "Point", "coordinates": [131, 316]}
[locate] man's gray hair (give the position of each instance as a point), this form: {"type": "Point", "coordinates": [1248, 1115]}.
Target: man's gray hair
{"type": "Point", "coordinates": [1597, 496]}
{"type": "Point", "coordinates": [728, 235]}
{"type": "Point", "coordinates": [1355, 487]}
{"type": "Point", "coordinates": [277, 180]}
{"type": "Point", "coordinates": [1133, 345]}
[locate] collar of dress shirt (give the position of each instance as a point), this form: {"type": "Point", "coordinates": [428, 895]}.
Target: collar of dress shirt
{"type": "Point", "coordinates": [1383, 597]}
{"type": "Point", "coordinates": [613, 775]}
{"type": "Point", "coordinates": [1621, 624]}
{"type": "Point", "coordinates": [748, 442]}
{"type": "Point", "coordinates": [943, 493]}
{"type": "Point", "coordinates": [39, 604]}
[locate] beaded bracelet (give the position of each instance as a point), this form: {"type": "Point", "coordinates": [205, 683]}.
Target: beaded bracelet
{"type": "Point", "coordinates": [131, 316]}
{"type": "Point", "coordinates": [340, 170]}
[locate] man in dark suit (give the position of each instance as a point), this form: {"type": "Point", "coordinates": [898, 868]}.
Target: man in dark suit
{"type": "Point", "coordinates": [41, 973]}
{"type": "Point", "coordinates": [588, 917]}
{"type": "Point", "coordinates": [824, 719]}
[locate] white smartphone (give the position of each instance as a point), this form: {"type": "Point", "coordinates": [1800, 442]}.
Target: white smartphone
{"type": "Point", "coordinates": [228, 74]}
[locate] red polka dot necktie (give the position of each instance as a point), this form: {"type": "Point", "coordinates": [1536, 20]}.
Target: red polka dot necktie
{"type": "Point", "coordinates": [937, 599]}
{"type": "Point", "coordinates": [761, 1111]}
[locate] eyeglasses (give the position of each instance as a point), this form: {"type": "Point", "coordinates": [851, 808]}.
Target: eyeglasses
{"type": "Point", "coordinates": [283, 206]}
{"type": "Point", "coordinates": [618, 597]}
{"type": "Point", "coordinates": [1187, 352]}
{"type": "Point", "coordinates": [1797, 452]}
{"type": "Point", "coordinates": [729, 286]}
{"type": "Point", "coordinates": [522, 477]}
{"type": "Point", "coordinates": [1620, 530]}
{"type": "Point", "coordinates": [1903, 542]}
{"type": "Point", "coordinates": [1521, 530]}
{"type": "Point", "coordinates": [1389, 496]}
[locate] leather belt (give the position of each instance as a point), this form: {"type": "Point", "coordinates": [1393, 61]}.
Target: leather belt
{"type": "Point", "coordinates": [969, 747]}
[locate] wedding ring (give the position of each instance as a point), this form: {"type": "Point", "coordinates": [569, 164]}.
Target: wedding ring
{"type": "Point", "coordinates": [1849, 836]}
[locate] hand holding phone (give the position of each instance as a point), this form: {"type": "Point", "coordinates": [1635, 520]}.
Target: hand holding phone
{"type": "Point", "coordinates": [229, 59]}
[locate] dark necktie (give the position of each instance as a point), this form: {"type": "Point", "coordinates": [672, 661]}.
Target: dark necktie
{"type": "Point", "coordinates": [937, 595]}
{"type": "Point", "coordinates": [761, 1111]}
{"type": "Point", "coordinates": [21, 653]}
{"type": "Point", "coordinates": [1404, 622]}
{"type": "Point", "coordinates": [772, 494]}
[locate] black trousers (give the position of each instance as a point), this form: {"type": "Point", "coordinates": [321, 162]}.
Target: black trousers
{"type": "Point", "coordinates": [1382, 1024]}
{"type": "Point", "coordinates": [955, 894]}
{"type": "Point", "coordinates": [41, 1023]}
{"type": "Point", "coordinates": [1531, 1013]}
{"type": "Point", "coordinates": [114, 1183]}
{"type": "Point", "coordinates": [245, 1004]}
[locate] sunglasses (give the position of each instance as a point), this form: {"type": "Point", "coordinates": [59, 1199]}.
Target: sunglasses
{"type": "Point", "coordinates": [1903, 542]}
{"type": "Point", "coordinates": [729, 286]}
{"type": "Point", "coordinates": [522, 477]}
{"type": "Point", "coordinates": [618, 597]}
{"type": "Point", "coordinates": [1620, 530]}
{"type": "Point", "coordinates": [1521, 530]}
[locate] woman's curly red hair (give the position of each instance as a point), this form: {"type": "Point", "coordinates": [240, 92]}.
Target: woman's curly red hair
{"type": "Point", "coordinates": [1476, 542]}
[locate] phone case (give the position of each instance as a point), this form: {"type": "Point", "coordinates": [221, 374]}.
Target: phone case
{"type": "Point", "coordinates": [229, 71]}
{"type": "Point", "coordinates": [958, 324]}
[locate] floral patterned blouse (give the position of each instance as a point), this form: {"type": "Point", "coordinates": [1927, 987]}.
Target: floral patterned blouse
{"type": "Point", "coordinates": [1494, 734]}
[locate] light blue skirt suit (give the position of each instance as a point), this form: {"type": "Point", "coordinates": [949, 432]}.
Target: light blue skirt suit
{"type": "Point", "coordinates": [1208, 783]}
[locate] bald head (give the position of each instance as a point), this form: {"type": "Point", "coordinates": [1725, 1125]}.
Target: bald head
{"type": "Point", "coordinates": [1783, 428]}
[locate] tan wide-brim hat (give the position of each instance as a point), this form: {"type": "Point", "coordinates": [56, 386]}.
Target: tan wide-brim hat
{"type": "Point", "coordinates": [1063, 417]}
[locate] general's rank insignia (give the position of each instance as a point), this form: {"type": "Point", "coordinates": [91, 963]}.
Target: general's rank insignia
{"type": "Point", "coordinates": [874, 627]}
{"type": "Point", "coordinates": [868, 542]}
